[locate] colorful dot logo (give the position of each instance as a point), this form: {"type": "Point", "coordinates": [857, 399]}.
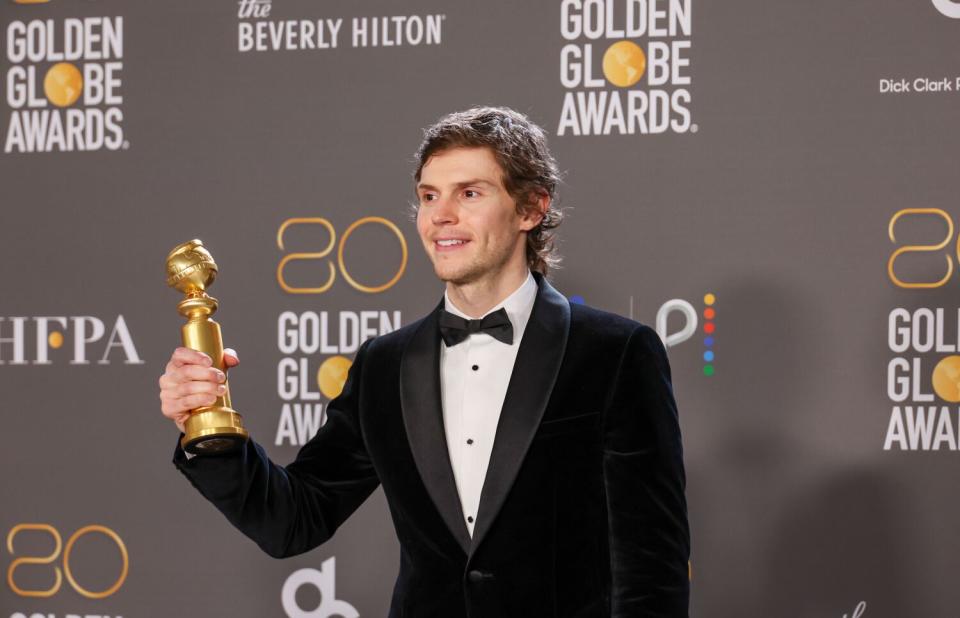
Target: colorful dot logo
{"type": "Point", "coordinates": [709, 328]}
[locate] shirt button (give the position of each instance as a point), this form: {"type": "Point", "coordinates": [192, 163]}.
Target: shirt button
{"type": "Point", "coordinates": [469, 440]}
{"type": "Point", "coordinates": [470, 519]}
{"type": "Point", "coordinates": [475, 367]}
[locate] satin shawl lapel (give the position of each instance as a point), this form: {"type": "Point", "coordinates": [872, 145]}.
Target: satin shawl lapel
{"type": "Point", "coordinates": [534, 373]}
{"type": "Point", "coordinates": [423, 419]}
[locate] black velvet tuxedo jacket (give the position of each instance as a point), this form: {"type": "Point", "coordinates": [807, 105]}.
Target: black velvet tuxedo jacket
{"type": "Point", "coordinates": [582, 511]}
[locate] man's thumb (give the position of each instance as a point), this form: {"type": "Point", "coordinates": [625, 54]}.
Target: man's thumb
{"type": "Point", "coordinates": [230, 358]}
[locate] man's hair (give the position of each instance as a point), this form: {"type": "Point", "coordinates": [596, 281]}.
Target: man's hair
{"type": "Point", "coordinates": [529, 170]}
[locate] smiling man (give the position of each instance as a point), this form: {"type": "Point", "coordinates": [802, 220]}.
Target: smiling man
{"type": "Point", "coordinates": [529, 448]}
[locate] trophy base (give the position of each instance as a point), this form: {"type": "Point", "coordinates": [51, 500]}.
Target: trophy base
{"type": "Point", "coordinates": [213, 431]}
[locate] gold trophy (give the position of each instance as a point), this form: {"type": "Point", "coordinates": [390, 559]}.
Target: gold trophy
{"type": "Point", "coordinates": [216, 428]}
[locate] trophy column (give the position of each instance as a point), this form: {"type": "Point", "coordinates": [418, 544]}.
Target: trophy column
{"type": "Point", "coordinates": [216, 428]}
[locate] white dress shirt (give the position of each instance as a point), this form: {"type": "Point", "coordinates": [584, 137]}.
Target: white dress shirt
{"type": "Point", "coordinates": [474, 375]}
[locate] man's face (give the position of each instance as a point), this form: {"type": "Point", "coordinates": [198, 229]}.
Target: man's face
{"type": "Point", "coordinates": [467, 221]}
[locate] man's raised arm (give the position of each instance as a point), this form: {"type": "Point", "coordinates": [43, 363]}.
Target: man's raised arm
{"type": "Point", "coordinates": [285, 510]}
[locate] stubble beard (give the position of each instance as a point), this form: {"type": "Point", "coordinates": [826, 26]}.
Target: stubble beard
{"type": "Point", "coordinates": [461, 275]}
{"type": "Point", "coordinates": [473, 271]}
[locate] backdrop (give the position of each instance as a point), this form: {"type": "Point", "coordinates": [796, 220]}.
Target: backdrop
{"type": "Point", "coordinates": [772, 185]}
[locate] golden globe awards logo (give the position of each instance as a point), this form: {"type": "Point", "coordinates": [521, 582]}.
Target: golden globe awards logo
{"type": "Point", "coordinates": [625, 67]}
{"type": "Point", "coordinates": [316, 345]}
{"type": "Point", "coordinates": [63, 85]}
{"type": "Point", "coordinates": [923, 376]}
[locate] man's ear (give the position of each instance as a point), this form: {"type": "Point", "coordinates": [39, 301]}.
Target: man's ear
{"type": "Point", "coordinates": [534, 214]}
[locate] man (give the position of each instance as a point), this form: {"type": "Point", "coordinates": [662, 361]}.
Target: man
{"type": "Point", "coordinates": [529, 449]}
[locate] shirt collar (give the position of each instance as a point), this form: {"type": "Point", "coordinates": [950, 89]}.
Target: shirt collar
{"type": "Point", "coordinates": [518, 305]}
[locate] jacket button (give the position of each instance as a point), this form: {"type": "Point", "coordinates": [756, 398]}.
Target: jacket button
{"type": "Point", "coordinates": [478, 576]}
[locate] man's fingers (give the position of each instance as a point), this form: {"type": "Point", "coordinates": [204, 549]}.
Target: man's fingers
{"type": "Point", "coordinates": [174, 409]}
{"type": "Point", "coordinates": [195, 401]}
{"type": "Point", "coordinates": [191, 381]}
{"type": "Point", "coordinates": [196, 386]}
{"type": "Point", "coordinates": [185, 356]}
{"type": "Point", "coordinates": [188, 373]}
{"type": "Point", "coordinates": [166, 381]}
{"type": "Point", "coordinates": [203, 374]}
{"type": "Point", "coordinates": [179, 408]}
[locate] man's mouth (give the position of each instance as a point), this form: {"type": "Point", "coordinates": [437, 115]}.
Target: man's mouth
{"type": "Point", "coordinates": [448, 244]}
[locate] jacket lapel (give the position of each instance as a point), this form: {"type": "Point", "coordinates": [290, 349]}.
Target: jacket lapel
{"type": "Point", "coordinates": [423, 419]}
{"type": "Point", "coordinates": [531, 384]}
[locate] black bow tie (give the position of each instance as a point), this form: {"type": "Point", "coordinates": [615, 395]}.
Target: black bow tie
{"type": "Point", "coordinates": [455, 329]}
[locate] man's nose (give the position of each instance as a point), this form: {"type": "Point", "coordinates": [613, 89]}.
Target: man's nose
{"type": "Point", "coordinates": [444, 211]}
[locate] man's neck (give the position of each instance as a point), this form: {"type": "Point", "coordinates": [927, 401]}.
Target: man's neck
{"type": "Point", "coordinates": [478, 297]}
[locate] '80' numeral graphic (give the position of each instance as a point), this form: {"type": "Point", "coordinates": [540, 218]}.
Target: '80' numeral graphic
{"type": "Point", "coordinates": [318, 255]}
{"type": "Point", "coordinates": [52, 557]}
{"type": "Point", "coordinates": [923, 212]}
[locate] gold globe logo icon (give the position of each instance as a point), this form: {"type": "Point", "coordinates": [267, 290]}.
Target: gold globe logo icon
{"type": "Point", "coordinates": [624, 63]}
{"type": "Point", "coordinates": [946, 379]}
{"type": "Point", "coordinates": [332, 375]}
{"type": "Point", "coordinates": [63, 84]}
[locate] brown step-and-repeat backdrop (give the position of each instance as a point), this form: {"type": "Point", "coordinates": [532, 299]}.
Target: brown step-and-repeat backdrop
{"type": "Point", "coordinates": [772, 185]}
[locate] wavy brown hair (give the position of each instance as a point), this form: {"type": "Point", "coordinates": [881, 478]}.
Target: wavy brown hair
{"type": "Point", "coordinates": [529, 170]}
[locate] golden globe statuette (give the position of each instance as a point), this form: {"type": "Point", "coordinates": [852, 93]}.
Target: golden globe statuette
{"type": "Point", "coordinates": [216, 428]}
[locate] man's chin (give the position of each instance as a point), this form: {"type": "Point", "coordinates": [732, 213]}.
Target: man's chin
{"type": "Point", "coordinates": [456, 276]}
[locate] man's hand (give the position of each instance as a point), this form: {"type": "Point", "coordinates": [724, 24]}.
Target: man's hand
{"type": "Point", "coordinates": [191, 381]}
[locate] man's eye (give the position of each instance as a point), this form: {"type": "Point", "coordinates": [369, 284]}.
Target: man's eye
{"type": "Point", "coordinates": [427, 197]}
{"type": "Point", "coordinates": [471, 193]}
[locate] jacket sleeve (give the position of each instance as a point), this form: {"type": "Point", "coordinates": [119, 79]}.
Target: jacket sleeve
{"type": "Point", "coordinates": [644, 480]}
{"type": "Point", "coordinates": [293, 509]}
